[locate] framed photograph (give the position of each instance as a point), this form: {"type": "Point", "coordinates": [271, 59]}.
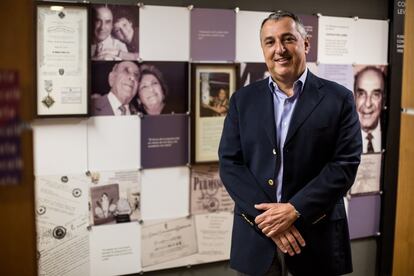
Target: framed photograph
{"type": "Point", "coordinates": [62, 59]}
{"type": "Point", "coordinates": [212, 86]}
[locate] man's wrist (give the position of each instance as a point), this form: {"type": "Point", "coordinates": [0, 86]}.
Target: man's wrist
{"type": "Point", "coordinates": [297, 213]}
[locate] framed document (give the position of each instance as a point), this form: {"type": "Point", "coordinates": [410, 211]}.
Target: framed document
{"type": "Point", "coordinates": [62, 66]}
{"type": "Point", "coordinates": [212, 86]}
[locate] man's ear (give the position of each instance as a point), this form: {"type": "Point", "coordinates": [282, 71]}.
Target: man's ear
{"type": "Point", "coordinates": [307, 45]}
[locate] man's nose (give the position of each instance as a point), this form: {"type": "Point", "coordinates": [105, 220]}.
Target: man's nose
{"type": "Point", "coordinates": [132, 77]}
{"type": "Point", "coordinates": [368, 101]}
{"type": "Point", "coordinates": [279, 48]}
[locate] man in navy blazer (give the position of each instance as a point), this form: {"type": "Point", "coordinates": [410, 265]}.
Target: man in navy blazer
{"type": "Point", "coordinates": [289, 152]}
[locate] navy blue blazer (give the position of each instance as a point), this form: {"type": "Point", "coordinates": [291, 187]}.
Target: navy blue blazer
{"type": "Point", "coordinates": [321, 156]}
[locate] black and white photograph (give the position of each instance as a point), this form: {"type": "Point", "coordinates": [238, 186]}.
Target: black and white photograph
{"type": "Point", "coordinates": [370, 99]}
{"type": "Point", "coordinates": [128, 88]}
{"type": "Point", "coordinates": [104, 200]}
{"type": "Point", "coordinates": [163, 88]}
{"type": "Point", "coordinates": [114, 86]}
{"type": "Point", "coordinates": [115, 32]}
{"type": "Point", "coordinates": [119, 202]}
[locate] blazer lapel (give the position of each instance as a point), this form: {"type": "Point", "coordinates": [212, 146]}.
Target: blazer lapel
{"type": "Point", "coordinates": [267, 111]}
{"type": "Point", "coordinates": [307, 102]}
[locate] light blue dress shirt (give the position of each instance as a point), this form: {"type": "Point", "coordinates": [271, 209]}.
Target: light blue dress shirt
{"type": "Point", "coordinates": [283, 109]}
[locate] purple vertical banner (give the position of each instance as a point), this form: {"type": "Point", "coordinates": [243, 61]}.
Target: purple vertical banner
{"type": "Point", "coordinates": [311, 26]}
{"type": "Point", "coordinates": [10, 150]}
{"type": "Point", "coordinates": [213, 35]}
{"type": "Point", "coordinates": [164, 141]}
{"type": "Point", "coordinates": [364, 216]}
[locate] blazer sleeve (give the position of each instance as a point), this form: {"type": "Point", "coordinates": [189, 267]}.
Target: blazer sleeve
{"type": "Point", "coordinates": [320, 195]}
{"type": "Point", "coordinates": [236, 176]}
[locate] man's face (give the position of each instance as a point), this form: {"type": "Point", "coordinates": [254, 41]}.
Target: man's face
{"type": "Point", "coordinates": [124, 81]}
{"type": "Point", "coordinates": [103, 23]}
{"type": "Point", "coordinates": [123, 30]}
{"type": "Point", "coordinates": [284, 49]}
{"type": "Point", "coordinates": [368, 98]}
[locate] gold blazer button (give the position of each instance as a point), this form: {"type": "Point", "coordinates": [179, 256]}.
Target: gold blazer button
{"type": "Point", "coordinates": [270, 182]}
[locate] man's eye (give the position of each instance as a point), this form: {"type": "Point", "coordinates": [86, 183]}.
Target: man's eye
{"type": "Point", "coordinates": [289, 39]}
{"type": "Point", "coordinates": [359, 93]}
{"type": "Point", "coordinates": [377, 94]}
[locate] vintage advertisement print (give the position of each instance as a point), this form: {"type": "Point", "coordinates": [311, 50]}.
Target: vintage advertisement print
{"type": "Point", "coordinates": [208, 193]}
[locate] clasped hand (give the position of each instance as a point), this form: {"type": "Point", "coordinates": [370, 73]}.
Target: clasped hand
{"type": "Point", "coordinates": [276, 222]}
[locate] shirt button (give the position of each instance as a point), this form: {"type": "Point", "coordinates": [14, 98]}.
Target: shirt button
{"type": "Point", "coordinates": [274, 151]}
{"type": "Point", "coordinates": [270, 182]}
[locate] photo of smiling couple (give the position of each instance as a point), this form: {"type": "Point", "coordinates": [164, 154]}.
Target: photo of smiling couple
{"type": "Point", "coordinates": [128, 88]}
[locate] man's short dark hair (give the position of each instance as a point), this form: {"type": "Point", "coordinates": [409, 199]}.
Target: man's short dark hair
{"type": "Point", "coordinates": [282, 14]}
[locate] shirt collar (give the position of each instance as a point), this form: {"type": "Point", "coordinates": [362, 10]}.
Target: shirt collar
{"type": "Point", "coordinates": [300, 81]}
{"type": "Point", "coordinates": [115, 103]}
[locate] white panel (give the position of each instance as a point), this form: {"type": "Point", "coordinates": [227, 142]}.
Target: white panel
{"type": "Point", "coordinates": [340, 73]}
{"type": "Point", "coordinates": [371, 38]}
{"type": "Point", "coordinates": [165, 193]}
{"type": "Point", "coordinates": [336, 40]}
{"type": "Point", "coordinates": [59, 146]}
{"type": "Point", "coordinates": [115, 249]}
{"type": "Point", "coordinates": [114, 143]}
{"type": "Point", "coordinates": [164, 33]}
{"type": "Point", "coordinates": [248, 47]}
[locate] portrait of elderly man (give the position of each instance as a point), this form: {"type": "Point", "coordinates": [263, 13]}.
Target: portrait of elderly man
{"type": "Point", "coordinates": [104, 45]}
{"type": "Point", "coordinates": [123, 82]}
{"type": "Point", "coordinates": [369, 92]}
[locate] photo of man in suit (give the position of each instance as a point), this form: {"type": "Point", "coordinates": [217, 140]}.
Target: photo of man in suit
{"type": "Point", "coordinates": [369, 87]}
{"type": "Point", "coordinates": [289, 151]}
{"type": "Point", "coordinates": [123, 82]}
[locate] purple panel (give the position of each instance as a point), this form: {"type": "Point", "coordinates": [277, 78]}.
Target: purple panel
{"type": "Point", "coordinates": [11, 163]}
{"type": "Point", "coordinates": [213, 35]}
{"type": "Point", "coordinates": [311, 26]}
{"type": "Point", "coordinates": [364, 216]}
{"type": "Point", "coordinates": [164, 141]}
